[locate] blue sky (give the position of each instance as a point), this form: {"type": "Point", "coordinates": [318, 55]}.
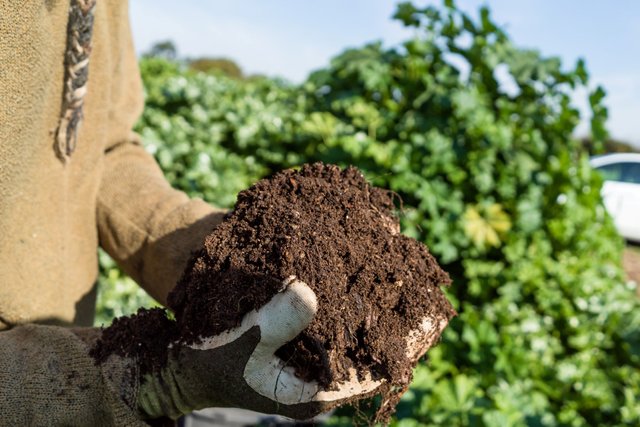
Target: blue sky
{"type": "Point", "coordinates": [290, 38]}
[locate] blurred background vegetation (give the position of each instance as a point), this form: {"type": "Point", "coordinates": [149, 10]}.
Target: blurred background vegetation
{"type": "Point", "coordinates": [476, 136]}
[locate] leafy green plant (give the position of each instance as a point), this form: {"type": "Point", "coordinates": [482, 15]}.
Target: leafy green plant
{"type": "Point", "coordinates": [475, 135]}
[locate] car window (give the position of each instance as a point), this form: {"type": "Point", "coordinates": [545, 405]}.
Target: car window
{"type": "Point", "coordinates": [630, 172]}
{"type": "Point", "coordinates": [612, 172]}
{"type": "Point", "coordinates": [623, 172]}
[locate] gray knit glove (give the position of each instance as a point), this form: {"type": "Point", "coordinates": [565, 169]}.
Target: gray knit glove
{"type": "Point", "coordinates": [47, 378]}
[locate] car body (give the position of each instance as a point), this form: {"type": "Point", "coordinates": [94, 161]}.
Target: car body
{"type": "Point", "coordinates": [621, 190]}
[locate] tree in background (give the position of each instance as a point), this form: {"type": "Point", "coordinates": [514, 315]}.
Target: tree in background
{"type": "Point", "coordinates": [164, 49]}
{"type": "Point", "coordinates": [223, 65]}
{"type": "Point", "coordinates": [475, 135]}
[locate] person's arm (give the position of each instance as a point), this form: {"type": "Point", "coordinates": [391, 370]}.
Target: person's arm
{"type": "Point", "coordinates": [149, 228]}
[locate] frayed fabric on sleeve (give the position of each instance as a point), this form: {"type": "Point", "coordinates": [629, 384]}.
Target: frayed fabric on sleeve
{"type": "Point", "coordinates": [79, 31]}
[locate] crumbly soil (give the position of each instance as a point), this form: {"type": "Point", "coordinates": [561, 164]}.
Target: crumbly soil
{"type": "Point", "coordinates": [144, 336]}
{"type": "Point", "coordinates": [332, 230]}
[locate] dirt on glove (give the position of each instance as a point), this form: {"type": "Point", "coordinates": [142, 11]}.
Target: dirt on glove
{"type": "Point", "coordinates": [335, 232]}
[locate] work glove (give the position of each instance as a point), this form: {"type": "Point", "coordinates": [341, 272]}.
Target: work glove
{"type": "Point", "coordinates": [47, 376]}
{"type": "Point", "coordinates": [238, 368]}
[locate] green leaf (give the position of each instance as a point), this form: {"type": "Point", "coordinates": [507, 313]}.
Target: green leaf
{"type": "Point", "coordinates": [407, 13]}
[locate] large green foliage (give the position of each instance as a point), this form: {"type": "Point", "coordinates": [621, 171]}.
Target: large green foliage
{"type": "Point", "coordinates": [475, 135]}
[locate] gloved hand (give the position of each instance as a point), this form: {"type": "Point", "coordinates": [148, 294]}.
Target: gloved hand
{"type": "Point", "coordinates": [238, 368]}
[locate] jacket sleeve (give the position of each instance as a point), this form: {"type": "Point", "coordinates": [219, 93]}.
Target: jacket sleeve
{"type": "Point", "coordinates": [149, 228]}
{"type": "Point", "coordinates": [48, 378]}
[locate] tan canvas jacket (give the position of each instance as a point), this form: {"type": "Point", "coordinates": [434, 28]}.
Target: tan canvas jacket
{"type": "Point", "coordinates": [55, 210]}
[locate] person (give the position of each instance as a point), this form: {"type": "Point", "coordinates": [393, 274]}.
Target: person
{"type": "Point", "coordinates": [73, 176]}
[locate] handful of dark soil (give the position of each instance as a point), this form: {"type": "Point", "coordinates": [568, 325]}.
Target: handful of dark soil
{"type": "Point", "coordinates": [330, 229]}
{"type": "Point", "coordinates": [335, 232]}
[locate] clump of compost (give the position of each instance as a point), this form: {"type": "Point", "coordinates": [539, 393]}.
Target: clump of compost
{"type": "Point", "coordinates": [339, 235]}
{"type": "Point", "coordinates": [335, 232]}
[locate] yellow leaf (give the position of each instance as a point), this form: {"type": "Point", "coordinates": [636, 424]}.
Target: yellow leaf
{"type": "Point", "coordinates": [486, 226]}
{"type": "Point", "coordinates": [498, 219]}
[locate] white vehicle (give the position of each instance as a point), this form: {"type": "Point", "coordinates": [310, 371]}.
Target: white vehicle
{"type": "Point", "coordinates": [621, 191]}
